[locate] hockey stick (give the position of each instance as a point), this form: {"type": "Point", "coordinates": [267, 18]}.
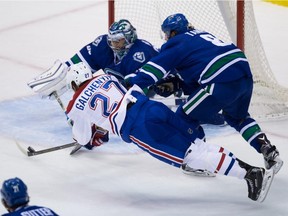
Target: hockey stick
{"type": "Point", "coordinates": [58, 99]}
{"type": "Point", "coordinates": [32, 152]}
{"type": "Point", "coordinates": [77, 146]}
{"type": "Point", "coordinates": [55, 94]}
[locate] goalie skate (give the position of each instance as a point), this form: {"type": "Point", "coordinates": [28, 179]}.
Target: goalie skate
{"type": "Point", "coordinates": [196, 172]}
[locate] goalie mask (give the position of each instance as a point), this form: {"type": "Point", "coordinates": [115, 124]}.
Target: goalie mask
{"type": "Point", "coordinates": [175, 23]}
{"type": "Point", "coordinates": [77, 74]}
{"type": "Point", "coordinates": [14, 193]}
{"type": "Point", "coordinates": [121, 37]}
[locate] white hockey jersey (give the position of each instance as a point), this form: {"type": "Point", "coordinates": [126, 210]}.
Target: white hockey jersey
{"type": "Point", "coordinates": [101, 101]}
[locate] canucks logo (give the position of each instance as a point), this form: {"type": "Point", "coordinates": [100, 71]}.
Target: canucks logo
{"type": "Point", "coordinates": [97, 40]}
{"type": "Point", "coordinates": [139, 57]}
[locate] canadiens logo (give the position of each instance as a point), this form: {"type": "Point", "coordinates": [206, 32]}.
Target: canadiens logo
{"type": "Point", "coordinates": [139, 56]}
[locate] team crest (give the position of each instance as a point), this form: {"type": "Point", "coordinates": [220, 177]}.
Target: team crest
{"type": "Point", "coordinates": [139, 56]}
{"type": "Point", "coordinates": [97, 40]}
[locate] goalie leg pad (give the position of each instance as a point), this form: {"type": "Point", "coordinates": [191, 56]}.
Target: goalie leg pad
{"type": "Point", "coordinates": [51, 80]}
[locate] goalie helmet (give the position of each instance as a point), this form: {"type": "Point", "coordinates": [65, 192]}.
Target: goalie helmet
{"type": "Point", "coordinates": [14, 193]}
{"type": "Point", "coordinates": [176, 22]}
{"type": "Point", "coordinates": [122, 29]}
{"type": "Point", "coordinates": [78, 73]}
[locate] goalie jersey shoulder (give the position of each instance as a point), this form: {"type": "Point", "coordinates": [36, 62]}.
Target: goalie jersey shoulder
{"type": "Point", "coordinates": [97, 54]}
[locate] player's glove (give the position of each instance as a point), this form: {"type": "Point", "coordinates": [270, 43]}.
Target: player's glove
{"type": "Point", "coordinates": [99, 136]}
{"type": "Point", "coordinates": [168, 86]}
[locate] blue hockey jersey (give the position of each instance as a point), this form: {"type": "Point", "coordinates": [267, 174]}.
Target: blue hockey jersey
{"type": "Point", "coordinates": [98, 55]}
{"type": "Point", "coordinates": [198, 57]}
{"type": "Point", "coordinates": [140, 53]}
{"type": "Point", "coordinates": [32, 210]}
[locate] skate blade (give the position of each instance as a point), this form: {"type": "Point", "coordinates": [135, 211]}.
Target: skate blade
{"type": "Point", "coordinates": [199, 173]}
{"type": "Point", "coordinates": [278, 165]}
{"type": "Point", "coordinates": [266, 183]}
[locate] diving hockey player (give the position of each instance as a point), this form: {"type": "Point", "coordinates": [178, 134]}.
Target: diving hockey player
{"type": "Point", "coordinates": [153, 127]}
{"type": "Point", "coordinates": [216, 76]}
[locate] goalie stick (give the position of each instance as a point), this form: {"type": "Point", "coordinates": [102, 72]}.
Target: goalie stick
{"type": "Point", "coordinates": [32, 152]}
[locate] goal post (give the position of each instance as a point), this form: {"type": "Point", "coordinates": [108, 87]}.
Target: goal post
{"type": "Point", "coordinates": [230, 21]}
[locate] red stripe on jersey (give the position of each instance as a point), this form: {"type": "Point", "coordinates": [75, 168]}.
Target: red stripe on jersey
{"type": "Point", "coordinates": [221, 150]}
{"type": "Point", "coordinates": [157, 152]}
{"type": "Point", "coordinates": [112, 114]}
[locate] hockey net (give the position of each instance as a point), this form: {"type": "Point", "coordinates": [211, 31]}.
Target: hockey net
{"type": "Point", "coordinates": [269, 99]}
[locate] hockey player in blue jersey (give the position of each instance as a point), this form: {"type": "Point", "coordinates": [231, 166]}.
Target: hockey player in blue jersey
{"type": "Point", "coordinates": [119, 52]}
{"type": "Point", "coordinates": [102, 101]}
{"type": "Point", "coordinates": [15, 198]}
{"type": "Point", "coordinates": [216, 76]}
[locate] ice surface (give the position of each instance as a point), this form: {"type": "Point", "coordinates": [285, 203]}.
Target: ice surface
{"type": "Point", "coordinates": [117, 178]}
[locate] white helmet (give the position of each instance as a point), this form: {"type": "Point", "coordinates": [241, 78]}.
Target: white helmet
{"type": "Point", "coordinates": [78, 73]}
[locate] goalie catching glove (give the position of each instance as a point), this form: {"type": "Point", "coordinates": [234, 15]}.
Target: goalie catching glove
{"type": "Point", "coordinates": [50, 81]}
{"type": "Point", "coordinates": [99, 136]}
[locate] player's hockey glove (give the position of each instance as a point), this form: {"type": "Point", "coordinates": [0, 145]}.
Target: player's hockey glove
{"type": "Point", "coordinates": [99, 136]}
{"type": "Point", "coordinates": [168, 86]}
{"type": "Point", "coordinates": [126, 83]}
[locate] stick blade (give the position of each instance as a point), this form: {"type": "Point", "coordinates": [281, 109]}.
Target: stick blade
{"type": "Point", "coordinates": [76, 149]}
{"type": "Point", "coordinates": [21, 148]}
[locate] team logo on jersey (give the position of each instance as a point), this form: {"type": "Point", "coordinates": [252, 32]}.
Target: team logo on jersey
{"type": "Point", "coordinates": [139, 56]}
{"type": "Point", "coordinates": [97, 41]}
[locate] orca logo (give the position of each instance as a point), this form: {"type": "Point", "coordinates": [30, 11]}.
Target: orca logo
{"type": "Point", "coordinates": [139, 57]}
{"type": "Point", "coordinates": [97, 41]}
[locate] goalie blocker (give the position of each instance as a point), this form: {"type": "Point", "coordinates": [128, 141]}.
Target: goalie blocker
{"type": "Point", "coordinates": [50, 81]}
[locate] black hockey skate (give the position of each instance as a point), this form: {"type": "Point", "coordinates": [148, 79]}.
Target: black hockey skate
{"type": "Point", "coordinates": [270, 154]}
{"type": "Point", "coordinates": [259, 181]}
{"type": "Point", "coordinates": [196, 172]}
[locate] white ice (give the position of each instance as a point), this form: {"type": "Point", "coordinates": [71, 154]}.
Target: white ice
{"type": "Point", "coordinates": [117, 178]}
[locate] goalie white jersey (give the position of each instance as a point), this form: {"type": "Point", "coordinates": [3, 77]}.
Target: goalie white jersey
{"type": "Point", "coordinates": [101, 101]}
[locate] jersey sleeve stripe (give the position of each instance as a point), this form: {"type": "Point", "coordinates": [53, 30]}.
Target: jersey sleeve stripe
{"type": "Point", "coordinates": [156, 69]}
{"type": "Point", "coordinates": [168, 158]}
